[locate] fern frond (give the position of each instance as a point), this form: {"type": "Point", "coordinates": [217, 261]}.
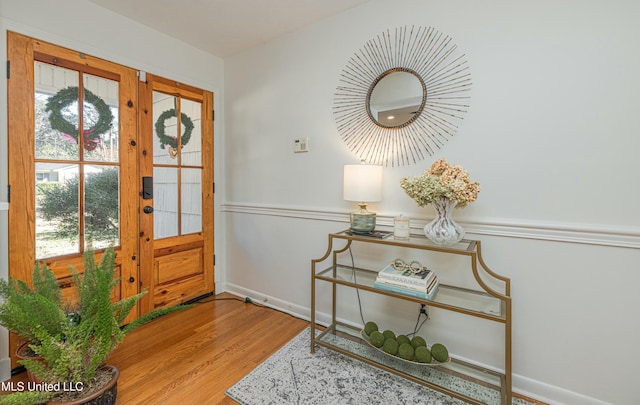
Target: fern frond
{"type": "Point", "coordinates": [26, 398]}
{"type": "Point", "coordinates": [150, 316]}
{"type": "Point", "coordinates": [122, 308]}
{"type": "Point", "coordinates": [23, 314]}
{"type": "Point", "coordinates": [46, 284]}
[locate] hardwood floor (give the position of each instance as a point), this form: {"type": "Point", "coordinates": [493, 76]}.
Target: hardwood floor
{"type": "Point", "coordinates": [192, 357]}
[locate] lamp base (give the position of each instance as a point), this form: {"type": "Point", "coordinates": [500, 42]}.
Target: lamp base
{"type": "Point", "coordinates": [363, 221]}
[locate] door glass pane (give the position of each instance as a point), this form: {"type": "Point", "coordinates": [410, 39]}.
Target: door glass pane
{"type": "Point", "coordinates": [190, 112]}
{"type": "Point", "coordinates": [57, 223]}
{"type": "Point", "coordinates": [165, 202]}
{"type": "Point", "coordinates": [101, 202]}
{"type": "Point", "coordinates": [56, 112]}
{"type": "Point", "coordinates": [165, 129]}
{"type": "Point", "coordinates": [191, 200]}
{"type": "Point", "coordinates": [100, 119]}
{"type": "Point", "coordinates": [70, 217]}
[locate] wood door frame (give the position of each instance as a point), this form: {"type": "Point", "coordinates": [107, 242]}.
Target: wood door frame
{"type": "Point", "coordinates": [148, 256]}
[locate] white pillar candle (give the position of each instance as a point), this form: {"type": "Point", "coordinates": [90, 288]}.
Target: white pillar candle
{"type": "Point", "coordinates": [401, 227]}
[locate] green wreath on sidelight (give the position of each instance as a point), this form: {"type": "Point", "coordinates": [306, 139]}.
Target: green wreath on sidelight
{"type": "Point", "coordinates": [65, 98]}
{"type": "Point", "coordinates": [172, 141]}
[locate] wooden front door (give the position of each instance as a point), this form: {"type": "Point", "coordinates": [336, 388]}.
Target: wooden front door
{"type": "Point", "coordinates": [176, 203]}
{"type": "Point", "coordinates": [82, 147]}
{"type": "Point", "coordinates": [73, 174]}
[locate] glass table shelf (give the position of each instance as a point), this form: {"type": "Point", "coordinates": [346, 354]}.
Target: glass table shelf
{"type": "Point", "coordinates": [457, 378]}
{"type": "Point", "coordinates": [465, 246]}
{"type": "Point", "coordinates": [458, 299]}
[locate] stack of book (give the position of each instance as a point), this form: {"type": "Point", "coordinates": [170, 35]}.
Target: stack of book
{"type": "Point", "coordinates": [420, 285]}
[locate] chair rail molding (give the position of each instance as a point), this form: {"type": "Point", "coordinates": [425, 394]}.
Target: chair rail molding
{"type": "Point", "coordinates": [590, 234]}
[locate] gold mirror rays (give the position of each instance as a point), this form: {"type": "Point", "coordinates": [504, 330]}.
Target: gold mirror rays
{"type": "Point", "coordinates": [421, 62]}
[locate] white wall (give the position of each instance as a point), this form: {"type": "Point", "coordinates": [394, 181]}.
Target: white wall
{"type": "Point", "coordinates": [85, 27]}
{"type": "Point", "coordinates": [551, 135]}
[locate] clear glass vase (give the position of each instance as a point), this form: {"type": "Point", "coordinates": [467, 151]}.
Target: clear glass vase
{"type": "Point", "coordinates": [443, 230]}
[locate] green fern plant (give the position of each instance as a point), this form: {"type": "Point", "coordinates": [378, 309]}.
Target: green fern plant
{"type": "Point", "coordinates": [72, 345]}
{"type": "Point", "coordinates": [26, 310]}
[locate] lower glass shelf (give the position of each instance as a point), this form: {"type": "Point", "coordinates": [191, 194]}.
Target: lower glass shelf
{"type": "Point", "coordinates": [465, 381]}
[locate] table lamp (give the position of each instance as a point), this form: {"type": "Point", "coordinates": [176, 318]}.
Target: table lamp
{"type": "Point", "coordinates": [363, 184]}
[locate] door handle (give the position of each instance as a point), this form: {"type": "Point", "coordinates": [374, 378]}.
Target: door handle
{"type": "Point", "coordinates": [147, 187]}
{"type": "Point", "coordinates": [147, 209]}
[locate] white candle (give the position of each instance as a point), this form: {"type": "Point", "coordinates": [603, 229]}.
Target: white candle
{"type": "Point", "coordinates": [401, 227]}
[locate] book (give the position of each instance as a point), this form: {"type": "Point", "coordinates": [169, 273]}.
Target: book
{"type": "Point", "coordinates": [434, 282]}
{"type": "Point", "coordinates": [423, 279]}
{"type": "Point", "coordinates": [407, 291]}
{"type": "Point", "coordinates": [372, 234]}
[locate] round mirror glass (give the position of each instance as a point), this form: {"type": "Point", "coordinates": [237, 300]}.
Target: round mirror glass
{"type": "Point", "coordinates": [396, 98]}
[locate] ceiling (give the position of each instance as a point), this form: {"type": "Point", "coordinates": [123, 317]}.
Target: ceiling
{"type": "Point", "coordinates": [227, 27]}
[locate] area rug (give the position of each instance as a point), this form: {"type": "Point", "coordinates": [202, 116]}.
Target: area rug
{"type": "Point", "coordinates": [293, 375]}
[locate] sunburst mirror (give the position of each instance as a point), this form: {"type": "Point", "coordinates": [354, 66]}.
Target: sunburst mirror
{"type": "Point", "coordinates": [402, 96]}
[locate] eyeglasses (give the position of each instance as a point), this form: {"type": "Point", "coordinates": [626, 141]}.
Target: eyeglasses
{"type": "Point", "coordinates": [414, 266]}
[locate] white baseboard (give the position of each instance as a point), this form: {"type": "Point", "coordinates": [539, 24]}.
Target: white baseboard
{"type": "Point", "coordinates": [265, 300]}
{"type": "Point", "coordinates": [5, 369]}
{"type": "Point", "coordinates": [551, 394]}
{"type": "Point", "coordinates": [521, 385]}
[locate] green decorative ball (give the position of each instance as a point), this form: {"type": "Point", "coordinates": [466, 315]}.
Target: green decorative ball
{"type": "Point", "coordinates": [370, 327]}
{"type": "Point", "coordinates": [391, 346]}
{"type": "Point", "coordinates": [423, 355]}
{"type": "Point", "coordinates": [388, 334]}
{"type": "Point", "coordinates": [440, 352]}
{"type": "Point", "coordinates": [405, 351]}
{"type": "Point", "coordinates": [376, 338]}
{"type": "Point", "coordinates": [403, 339]}
{"type": "Point", "coordinates": [418, 341]}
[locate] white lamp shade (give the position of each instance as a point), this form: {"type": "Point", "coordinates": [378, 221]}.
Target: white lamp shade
{"type": "Point", "coordinates": [362, 183]}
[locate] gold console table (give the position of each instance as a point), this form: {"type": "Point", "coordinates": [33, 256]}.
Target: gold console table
{"type": "Point", "coordinates": [487, 386]}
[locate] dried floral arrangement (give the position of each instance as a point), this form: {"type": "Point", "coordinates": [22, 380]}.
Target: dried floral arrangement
{"type": "Point", "coordinates": [442, 180]}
